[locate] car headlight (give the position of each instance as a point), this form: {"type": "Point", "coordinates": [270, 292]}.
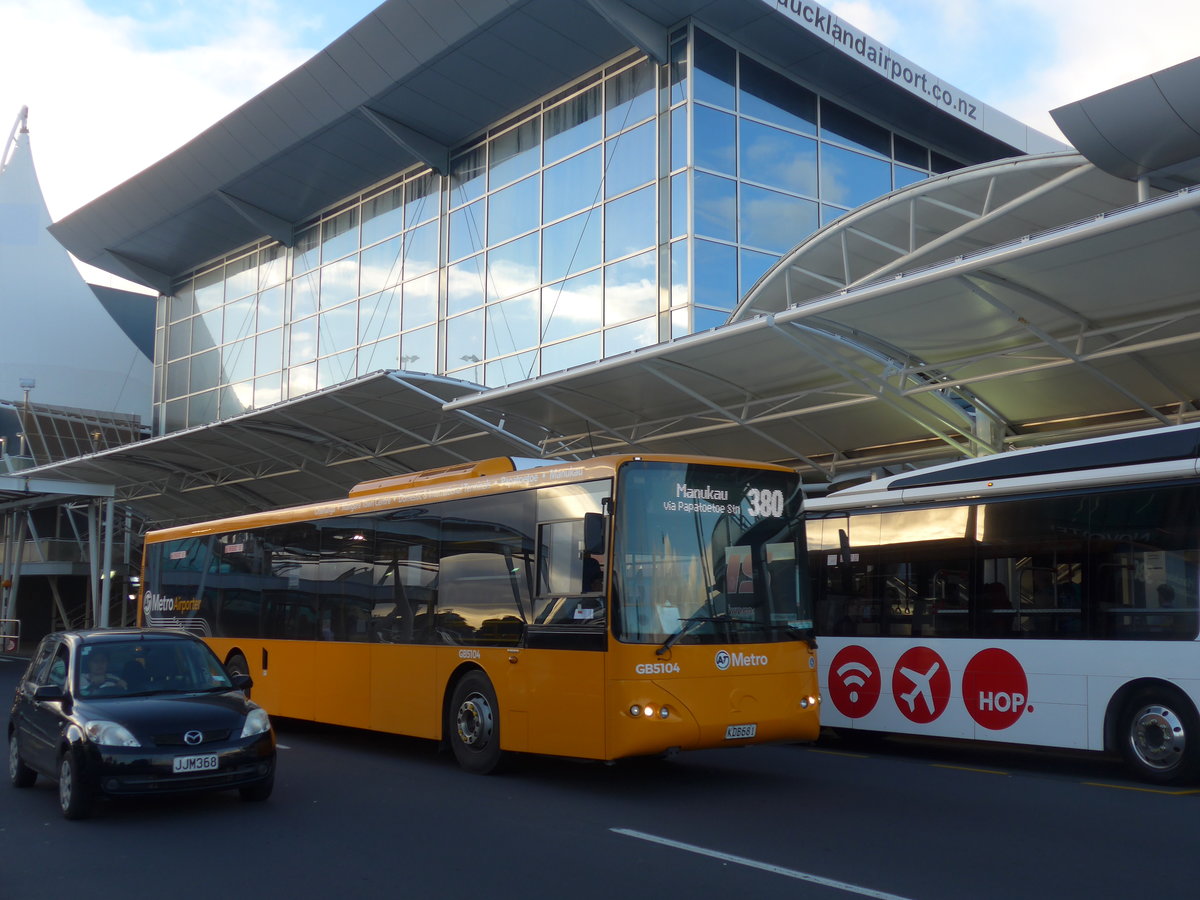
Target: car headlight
{"type": "Point", "coordinates": [110, 734]}
{"type": "Point", "coordinates": [256, 722]}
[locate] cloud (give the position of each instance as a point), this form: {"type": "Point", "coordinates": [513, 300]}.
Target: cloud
{"type": "Point", "coordinates": [109, 95]}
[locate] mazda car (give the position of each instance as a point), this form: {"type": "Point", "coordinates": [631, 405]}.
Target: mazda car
{"type": "Point", "coordinates": [127, 712]}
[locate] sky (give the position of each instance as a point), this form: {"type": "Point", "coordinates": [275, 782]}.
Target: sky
{"type": "Point", "coordinates": [113, 86]}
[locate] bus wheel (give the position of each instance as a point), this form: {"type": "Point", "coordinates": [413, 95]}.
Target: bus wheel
{"type": "Point", "coordinates": [475, 724]}
{"type": "Point", "coordinates": [237, 665]}
{"type": "Point", "coordinates": [1160, 736]}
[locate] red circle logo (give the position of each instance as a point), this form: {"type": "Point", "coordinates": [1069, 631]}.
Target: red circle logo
{"type": "Point", "coordinates": [921, 685]}
{"type": "Point", "coordinates": [854, 681]}
{"type": "Point", "coordinates": [995, 689]}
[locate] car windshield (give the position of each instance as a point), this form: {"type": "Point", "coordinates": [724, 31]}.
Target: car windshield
{"type": "Point", "coordinates": [127, 668]}
{"type": "Point", "coordinates": [709, 554]}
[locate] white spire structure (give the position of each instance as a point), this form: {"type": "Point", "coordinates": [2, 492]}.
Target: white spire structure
{"type": "Point", "coordinates": [54, 332]}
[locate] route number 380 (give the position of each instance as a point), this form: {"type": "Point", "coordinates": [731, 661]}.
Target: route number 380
{"type": "Point", "coordinates": [767, 504]}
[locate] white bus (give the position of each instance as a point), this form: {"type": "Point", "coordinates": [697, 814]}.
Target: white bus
{"type": "Point", "coordinates": [1042, 597]}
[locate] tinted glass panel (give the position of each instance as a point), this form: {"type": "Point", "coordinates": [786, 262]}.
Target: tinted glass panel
{"type": "Point", "coordinates": [754, 265]}
{"type": "Point", "coordinates": [716, 207]}
{"type": "Point", "coordinates": [572, 184]}
{"type": "Point", "coordinates": [512, 325]}
{"type": "Point", "coordinates": [421, 199]}
{"type": "Point", "coordinates": [339, 329]}
{"type": "Point", "coordinates": [841, 125]}
{"type": "Point", "coordinates": [715, 140]}
{"type": "Point", "coordinates": [715, 70]}
{"type": "Point", "coordinates": [382, 265]}
{"type": "Point", "coordinates": [631, 336]}
{"type": "Point", "coordinates": [379, 316]}
{"type": "Point", "coordinates": [630, 160]}
{"type": "Point", "coordinates": [775, 221]}
{"type": "Point", "coordinates": [418, 350]}
{"type": "Point", "coordinates": [513, 210]}
{"type": "Point", "coordinates": [468, 176]}
{"type": "Point", "coordinates": [572, 124]}
{"type": "Point", "coordinates": [630, 223]}
{"type": "Point", "coordinates": [557, 357]}
{"type": "Point", "coordinates": [420, 301]}
{"type": "Point", "coordinates": [464, 339]}
{"type": "Point", "coordinates": [421, 250]}
{"type": "Point", "coordinates": [339, 235]}
{"type": "Point", "coordinates": [630, 289]}
{"type": "Point", "coordinates": [852, 179]}
{"type": "Point", "coordinates": [515, 153]}
{"type": "Point", "coordinates": [572, 307]}
{"type": "Point", "coordinates": [779, 158]}
{"type": "Point", "coordinates": [765, 94]}
{"type": "Point", "coordinates": [571, 245]}
{"type": "Point", "coordinates": [716, 274]}
{"type": "Point", "coordinates": [629, 97]}
{"type": "Point", "coordinates": [466, 230]}
{"type": "Point", "coordinates": [383, 216]}
{"type": "Point", "coordinates": [513, 267]}
{"type": "Point", "coordinates": [465, 285]}
{"type": "Point", "coordinates": [339, 282]}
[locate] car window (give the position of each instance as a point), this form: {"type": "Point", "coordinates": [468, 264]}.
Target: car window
{"type": "Point", "coordinates": [41, 662]}
{"type": "Point", "coordinates": [57, 675]}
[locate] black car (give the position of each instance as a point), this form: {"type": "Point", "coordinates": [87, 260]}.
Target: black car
{"type": "Point", "coordinates": [123, 712]}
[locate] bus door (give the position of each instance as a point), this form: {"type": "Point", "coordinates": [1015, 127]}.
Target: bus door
{"type": "Point", "coordinates": [565, 643]}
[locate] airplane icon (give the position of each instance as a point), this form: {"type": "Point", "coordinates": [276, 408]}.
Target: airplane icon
{"type": "Point", "coordinates": [920, 687]}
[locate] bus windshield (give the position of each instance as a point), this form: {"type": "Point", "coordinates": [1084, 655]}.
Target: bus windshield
{"type": "Point", "coordinates": [709, 554]}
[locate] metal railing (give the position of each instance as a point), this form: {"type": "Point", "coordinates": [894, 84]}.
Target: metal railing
{"type": "Point", "coordinates": [10, 635]}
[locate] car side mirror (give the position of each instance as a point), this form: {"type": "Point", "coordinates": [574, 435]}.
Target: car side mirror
{"type": "Point", "coordinates": [593, 533]}
{"type": "Point", "coordinates": [242, 681]}
{"type": "Point", "coordinates": [49, 693]}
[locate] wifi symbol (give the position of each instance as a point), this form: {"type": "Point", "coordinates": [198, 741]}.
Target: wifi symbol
{"type": "Point", "coordinates": [851, 677]}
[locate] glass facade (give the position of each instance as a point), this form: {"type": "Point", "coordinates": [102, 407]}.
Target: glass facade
{"type": "Point", "coordinates": [635, 205]}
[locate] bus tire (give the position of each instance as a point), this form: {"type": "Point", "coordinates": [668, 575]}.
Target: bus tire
{"type": "Point", "coordinates": [474, 724]}
{"type": "Point", "coordinates": [236, 664]}
{"type": "Point", "coordinates": [1160, 735]}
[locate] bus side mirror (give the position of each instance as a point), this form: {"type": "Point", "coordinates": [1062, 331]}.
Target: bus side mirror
{"type": "Point", "coordinates": [593, 533]}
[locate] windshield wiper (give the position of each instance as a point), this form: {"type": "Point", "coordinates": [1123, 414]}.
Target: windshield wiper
{"type": "Point", "coordinates": [692, 621]}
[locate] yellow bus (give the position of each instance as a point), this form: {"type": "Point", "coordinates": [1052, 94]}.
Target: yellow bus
{"type": "Point", "coordinates": [615, 607]}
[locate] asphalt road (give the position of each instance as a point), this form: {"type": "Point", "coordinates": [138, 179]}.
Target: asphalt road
{"type": "Point", "coordinates": [361, 815]}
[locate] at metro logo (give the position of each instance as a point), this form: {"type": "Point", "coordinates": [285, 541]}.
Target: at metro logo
{"type": "Point", "coordinates": [726, 660]}
{"type": "Point", "coordinates": [995, 689]}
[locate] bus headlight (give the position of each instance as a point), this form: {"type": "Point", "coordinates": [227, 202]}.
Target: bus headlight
{"type": "Point", "coordinates": [662, 713]}
{"type": "Point", "coordinates": [635, 710]}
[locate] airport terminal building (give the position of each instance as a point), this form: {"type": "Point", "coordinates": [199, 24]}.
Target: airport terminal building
{"type": "Point", "coordinates": [497, 191]}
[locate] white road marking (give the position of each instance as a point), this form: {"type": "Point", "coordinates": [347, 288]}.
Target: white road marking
{"type": "Point", "coordinates": [766, 867]}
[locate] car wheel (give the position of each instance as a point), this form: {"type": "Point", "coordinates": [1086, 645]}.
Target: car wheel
{"type": "Point", "coordinates": [256, 793]}
{"type": "Point", "coordinates": [1160, 736]}
{"type": "Point", "coordinates": [475, 724]}
{"type": "Point", "coordinates": [74, 799]}
{"type": "Point", "coordinates": [18, 773]}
